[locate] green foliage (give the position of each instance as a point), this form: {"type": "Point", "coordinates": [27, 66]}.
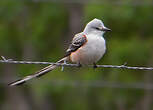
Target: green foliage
{"type": "Point", "coordinates": [35, 31]}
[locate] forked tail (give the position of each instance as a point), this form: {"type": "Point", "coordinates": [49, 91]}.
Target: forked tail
{"type": "Point", "coordinates": [38, 73]}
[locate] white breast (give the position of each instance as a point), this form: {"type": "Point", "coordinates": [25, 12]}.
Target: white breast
{"type": "Point", "coordinates": [91, 52]}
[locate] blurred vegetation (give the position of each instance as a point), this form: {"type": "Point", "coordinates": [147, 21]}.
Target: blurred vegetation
{"type": "Point", "coordinates": [42, 30]}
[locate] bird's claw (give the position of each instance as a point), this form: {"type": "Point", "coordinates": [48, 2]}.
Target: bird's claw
{"type": "Point", "coordinates": [62, 69]}
{"type": "Point", "coordinates": [79, 65]}
{"type": "Point", "coordinates": [94, 65]}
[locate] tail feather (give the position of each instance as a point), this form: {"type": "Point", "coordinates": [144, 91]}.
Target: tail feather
{"type": "Point", "coordinates": [37, 74]}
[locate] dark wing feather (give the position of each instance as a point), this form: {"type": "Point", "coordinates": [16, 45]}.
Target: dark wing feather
{"type": "Point", "coordinates": [78, 40]}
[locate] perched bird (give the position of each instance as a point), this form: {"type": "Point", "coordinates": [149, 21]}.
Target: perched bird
{"type": "Point", "coordinates": [86, 47]}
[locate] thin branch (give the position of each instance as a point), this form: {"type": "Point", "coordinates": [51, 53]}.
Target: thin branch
{"type": "Point", "coordinates": [4, 60]}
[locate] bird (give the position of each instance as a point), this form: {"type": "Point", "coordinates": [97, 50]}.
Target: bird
{"type": "Point", "coordinates": [86, 47]}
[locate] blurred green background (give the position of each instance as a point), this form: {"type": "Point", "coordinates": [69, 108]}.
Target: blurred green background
{"type": "Point", "coordinates": [41, 30]}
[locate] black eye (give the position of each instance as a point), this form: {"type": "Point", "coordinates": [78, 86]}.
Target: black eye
{"type": "Point", "coordinates": [97, 28]}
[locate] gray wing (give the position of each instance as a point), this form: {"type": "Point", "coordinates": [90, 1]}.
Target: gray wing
{"type": "Point", "coordinates": [78, 41]}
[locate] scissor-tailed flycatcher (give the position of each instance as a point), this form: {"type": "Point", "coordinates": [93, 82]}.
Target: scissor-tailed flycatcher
{"type": "Point", "coordinates": [86, 47]}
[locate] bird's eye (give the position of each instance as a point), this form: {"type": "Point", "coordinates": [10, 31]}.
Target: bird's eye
{"type": "Point", "coordinates": [97, 28]}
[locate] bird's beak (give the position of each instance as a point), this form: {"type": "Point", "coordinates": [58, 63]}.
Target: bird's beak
{"type": "Point", "coordinates": [106, 29]}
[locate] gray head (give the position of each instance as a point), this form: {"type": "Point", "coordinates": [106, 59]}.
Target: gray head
{"type": "Point", "coordinates": [96, 26]}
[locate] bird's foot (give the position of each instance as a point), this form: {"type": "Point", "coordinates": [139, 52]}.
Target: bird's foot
{"type": "Point", "coordinates": [79, 65]}
{"type": "Point", "coordinates": [94, 65]}
{"type": "Point", "coordinates": [62, 69]}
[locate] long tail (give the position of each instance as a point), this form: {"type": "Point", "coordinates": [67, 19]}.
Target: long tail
{"type": "Point", "coordinates": [38, 73]}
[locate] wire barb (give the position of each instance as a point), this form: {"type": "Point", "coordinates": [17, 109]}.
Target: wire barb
{"type": "Point", "coordinates": [4, 60]}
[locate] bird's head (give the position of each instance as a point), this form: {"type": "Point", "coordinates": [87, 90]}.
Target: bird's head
{"type": "Point", "coordinates": [96, 26]}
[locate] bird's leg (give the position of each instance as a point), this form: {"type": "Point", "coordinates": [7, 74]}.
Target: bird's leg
{"type": "Point", "coordinates": [94, 65]}
{"type": "Point", "coordinates": [79, 64]}
{"type": "Point", "coordinates": [62, 69]}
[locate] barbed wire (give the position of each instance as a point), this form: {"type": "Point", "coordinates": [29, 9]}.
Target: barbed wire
{"type": "Point", "coordinates": [80, 83]}
{"type": "Point", "coordinates": [124, 66]}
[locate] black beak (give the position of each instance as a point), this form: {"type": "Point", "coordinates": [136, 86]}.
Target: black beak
{"type": "Point", "coordinates": [106, 29]}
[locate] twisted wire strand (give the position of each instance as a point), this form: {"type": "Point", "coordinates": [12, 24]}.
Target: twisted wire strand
{"type": "Point", "coordinates": [4, 60]}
